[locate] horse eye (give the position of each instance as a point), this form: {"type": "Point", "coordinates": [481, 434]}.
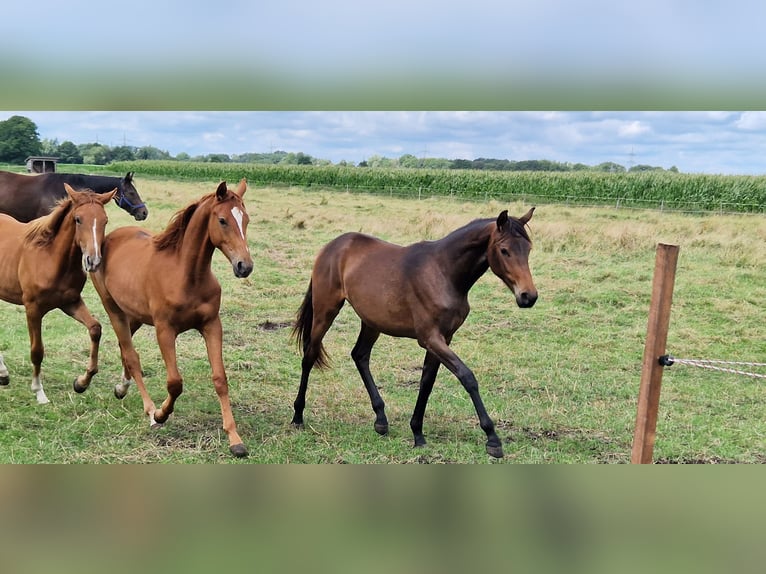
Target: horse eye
{"type": "Point", "coordinates": [77, 219]}
{"type": "Point", "coordinates": [504, 251]}
{"type": "Point", "coordinates": [222, 220]}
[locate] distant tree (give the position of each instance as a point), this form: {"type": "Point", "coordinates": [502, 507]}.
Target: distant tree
{"type": "Point", "coordinates": [49, 147]}
{"type": "Point", "coordinates": [94, 153]}
{"type": "Point", "coordinates": [67, 152]}
{"type": "Point", "coordinates": [122, 153]}
{"type": "Point", "coordinates": [303, 159]}
{"type": "Point", "coordinates": [610, 167]}
{"type": "Point", "coordinates": [461, 164]}
{"type": "Point", "coordinates": [151, 152]}
{"type": "Point", "coordinates": [363, 163]}
{"type": "Point", "coordinates": [183, 156]}
{"type": "Point", "coordinates": [644, 167]}
{"type": "Point", "coordinates": [217, 158]}
{"type": "Point", "coordinates": [409, 160]}
{"type": "Point", "coordinates": [18, 139]}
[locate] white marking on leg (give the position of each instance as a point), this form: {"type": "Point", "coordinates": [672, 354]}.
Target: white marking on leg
{"type": "Point", "coordinates": [3, 369]}
{"type": "Point", "coordinates": [37, 389]}
{"type": "Point", "coordinates": [121, 388]}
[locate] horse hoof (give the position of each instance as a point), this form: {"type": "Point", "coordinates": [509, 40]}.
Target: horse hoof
{"type": "Point", "coordinates": [77, 388]}
{"type": "Point", "coordinates": [495, 451]}
{"type": "Point", "coordinates": [238, 450]}
{"type": "Point", "coordinates": [381, 429]}
{"type": "Point", "coordinates": [4, 381]}
{"type": "Point", "coordinates": [153, 422]}
{"type": "Point", "coordinates": [120, 394]}
{"type": "Point", "coordinates": [297, 426]}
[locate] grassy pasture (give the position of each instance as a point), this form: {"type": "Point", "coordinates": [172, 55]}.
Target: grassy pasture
{"type": "Point", "coordinates": [560, 379]}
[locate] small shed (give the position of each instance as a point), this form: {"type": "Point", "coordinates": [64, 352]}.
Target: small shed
{"type": "Point", "coordinates": [40, 164]}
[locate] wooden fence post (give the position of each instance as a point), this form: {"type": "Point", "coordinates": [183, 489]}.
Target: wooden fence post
{"type": "Point", "coordinates": [656, 338]}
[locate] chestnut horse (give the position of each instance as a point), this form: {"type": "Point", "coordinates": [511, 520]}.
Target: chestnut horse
{"type": "Point", "coordinates": [420, 292]}
{"type": "Point", "coordinates": [41, 267]}
{"type": "Point", "coordinates": [166, 280]}
{"type": "Point", "coordinates": [27, 197]}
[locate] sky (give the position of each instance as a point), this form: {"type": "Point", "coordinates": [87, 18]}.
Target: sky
{"type": "Point", "coordinates": [694, 142]}
{"type": "Point", "coordinates": [230, 78]}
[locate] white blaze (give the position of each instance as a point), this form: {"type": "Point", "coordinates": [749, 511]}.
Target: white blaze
{"type": "Point", "coordinates": [238, 216]}
{"type": "Point", "coordinates": [95, 241]}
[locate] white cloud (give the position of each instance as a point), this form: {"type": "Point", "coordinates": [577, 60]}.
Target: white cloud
{"type": "Point", "coordinates": [752, 121]}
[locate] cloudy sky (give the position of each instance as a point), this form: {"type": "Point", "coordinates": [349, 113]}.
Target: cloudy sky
{"type": "Point", "coordinates": [149, 58]}
{"type": "Point", "coordinates": [699, 142]}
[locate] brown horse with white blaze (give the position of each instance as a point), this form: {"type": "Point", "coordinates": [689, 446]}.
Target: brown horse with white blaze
{"type": "Point", "coordinates": [166, 280]}
{"type": "Point", "coordinates": [43, 265]}
{"type": "Point", "coordinates": [420, 292]}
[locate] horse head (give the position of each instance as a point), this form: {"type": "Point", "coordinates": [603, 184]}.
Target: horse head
{"type": "Point", "coordinates": [90, 221]}
{"type": "Point", "coordinates": [128, 199]}
{"type": "Point", "coordinates": [228, 227]}
{"type": "Point", "coordinates": [508, 256]}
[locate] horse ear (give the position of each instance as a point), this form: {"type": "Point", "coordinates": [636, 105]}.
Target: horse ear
{"type": "Point", "coordinates": [527, 216]}
{"type": "Point", "coordinates": [241, 188]}
{"type": "Point", "coordinates": [69, 190]}
{"type": "Point", "coordinates": [128, 177]}
{"type": "Point", "coordinates": [221, 192]}
{"type": "Point", "coordinates": [502, 219]}
{"type": "Point", "coordinates": [105, 198]}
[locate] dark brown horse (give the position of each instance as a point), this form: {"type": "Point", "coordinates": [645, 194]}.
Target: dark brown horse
{"type": "Point", "coordinates": [41, 267]}
{"type": "Point", "coordinates": [420, 292]}
{"type": "Point", "coordinates": [167, 281]}
{"type": "Point", "coordinates": [27, 197]}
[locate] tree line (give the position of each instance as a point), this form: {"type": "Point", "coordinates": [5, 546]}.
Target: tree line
{"type": "Point", "coordinates": [19, 139]}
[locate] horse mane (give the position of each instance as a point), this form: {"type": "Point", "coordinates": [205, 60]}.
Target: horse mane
{"type": "Point", "coordinates": [171, 237]}
{"type": "Point", "coordinates": [41, 231]}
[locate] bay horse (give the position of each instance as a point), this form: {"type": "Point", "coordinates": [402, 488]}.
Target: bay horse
{"type": "Point", "coordinates": [420, 292]}
{"type": "Point", "coordinates": [43, 265]}
{"type": "Point", "coordinates": [27, 197]}
{"type": "Point", "coordinates": [166, 280]}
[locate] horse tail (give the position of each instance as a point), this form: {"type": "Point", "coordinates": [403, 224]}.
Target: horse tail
{"type": "Point", "coordinates": [302, 329]}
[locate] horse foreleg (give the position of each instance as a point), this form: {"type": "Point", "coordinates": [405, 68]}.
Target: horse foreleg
{"type": "Point", "coordinates": [79, 312]}
{"type": "Point", "coordinates": [36, 354]}
{"type": "Point", "coordinates": [431, 366]}
{"type": "Point", "coordinates": [441, 349]}
{"type": "Point", "coordinates": [166, 339]}
{"type": "Point", "coordinates": [5, 377]}
{"type": "Point", "coordinates": [361, 356]}
{"type": "Point", "coordinates": [213, 335]}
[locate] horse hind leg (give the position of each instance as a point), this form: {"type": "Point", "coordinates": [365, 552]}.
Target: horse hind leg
{"type": "Point", "coordinates": [5, 377]}
{"type": "Point", "coordinates": [121, 388]}
{"type": "Point", "coordinates": [320, 319]}
{"type": "Point", "coordinates": [361, 356]}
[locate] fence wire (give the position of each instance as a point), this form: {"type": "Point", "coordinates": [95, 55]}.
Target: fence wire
{"type": "Point", "coordinates": [716, 365]}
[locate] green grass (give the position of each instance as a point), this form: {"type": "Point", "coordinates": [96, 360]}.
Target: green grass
{"type": "Point", "coordinates": [560, 379]}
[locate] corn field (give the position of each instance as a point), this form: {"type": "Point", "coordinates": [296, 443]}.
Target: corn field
{"type": "Point", "coordinates": [655, 189]}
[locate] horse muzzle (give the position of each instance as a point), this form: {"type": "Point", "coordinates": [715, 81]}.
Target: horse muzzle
{"type": "Point", "coordinates": [526, 299]}
{"type": "Point", "coordinates": [242, 268]}
{"type": "Point", "coordinates": [140, 214]}
{"type": "Point", "coordinates": [91, 262]}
